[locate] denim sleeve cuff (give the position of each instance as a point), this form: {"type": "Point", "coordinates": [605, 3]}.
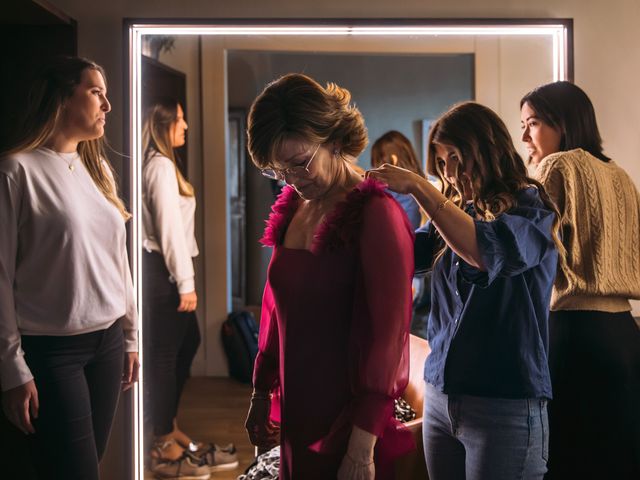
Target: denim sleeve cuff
{"type": "Point", "coordinates": [491, 253]}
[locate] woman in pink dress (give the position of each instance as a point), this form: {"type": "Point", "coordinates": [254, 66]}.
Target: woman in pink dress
{"type": "Point", "coordinates": [337, 303]}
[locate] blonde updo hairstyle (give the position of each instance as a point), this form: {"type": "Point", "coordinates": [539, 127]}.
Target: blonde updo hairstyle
{"type": "Point", "coordinates": [297, 107]}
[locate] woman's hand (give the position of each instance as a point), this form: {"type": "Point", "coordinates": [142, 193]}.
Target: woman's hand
{"type": "Point", "coordinates": [358, 464]}
{"type": "Point", "coordinates": [263, 433]}
{"type": "Point", "coordinates": [130, 371]}
{"type": "Point", "coordinates": [21, 405]}
{"type": "Point", "coordinates": [398, 179]}
{"type": "Point", "coordinates": [188, 302]}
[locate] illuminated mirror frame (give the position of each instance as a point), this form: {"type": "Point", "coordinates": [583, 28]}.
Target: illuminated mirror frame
{"type": "Point", "coordinates": [559, 30]}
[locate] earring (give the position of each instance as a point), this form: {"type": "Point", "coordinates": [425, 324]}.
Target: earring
{"type": "Point", "coordinates": [335, 152]}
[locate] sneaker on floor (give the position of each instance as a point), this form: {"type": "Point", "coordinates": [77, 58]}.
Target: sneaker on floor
{"type": "Point", "coordinates": [219, 458]}
{"type": "Point", "coordinates": [184, 468]}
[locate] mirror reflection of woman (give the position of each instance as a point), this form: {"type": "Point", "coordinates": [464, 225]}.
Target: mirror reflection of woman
{"type": "Point", "coordinates": [172, 335]}
{"type": "Point", "coordinates": [67, 311]}
{"type": "Point", "coordinates": [594, 339]}
{"type": "Point", "coordinates": [337, 303]}
{"type": "Point", "coordinates": [492, 241]}
{"type": "Point", "coordinates": [396, 149]}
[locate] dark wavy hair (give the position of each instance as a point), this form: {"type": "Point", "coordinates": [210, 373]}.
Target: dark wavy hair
{"type": "Point", "coordinates": [497, 170]}
{"type": "Point", "coordinates": [567, 107]}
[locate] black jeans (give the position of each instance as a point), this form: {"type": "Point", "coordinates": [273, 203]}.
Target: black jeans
{"type": "Point", "coordinates": [78, 378]}
{"type": "Point", "coordinates": [594, 417]}
{"type": "Point", "coordinates": [171, 339]}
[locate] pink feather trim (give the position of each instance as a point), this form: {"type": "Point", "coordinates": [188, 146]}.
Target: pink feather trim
{"type": "Point", "coordinates": [339, 228]}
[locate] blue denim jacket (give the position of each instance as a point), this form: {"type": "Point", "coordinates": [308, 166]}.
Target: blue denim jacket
{"type": "Point", "coordinates": [488, 331]}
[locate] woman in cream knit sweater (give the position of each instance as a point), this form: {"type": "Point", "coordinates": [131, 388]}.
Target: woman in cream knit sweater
{"type": "Point", "coordinates": [594, 340]}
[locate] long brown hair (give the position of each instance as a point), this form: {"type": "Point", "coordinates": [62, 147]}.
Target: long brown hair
{"type": "Point", "coordinates": [52, 87]}
{"type": "Point", "coordinates": [401, 146]}
{"type": "Point", "coordinates": [296, 106]}
{"type": "Point", "coordinates": [497, 170]}
{"type": "Point", "coordinates": [156, 137]}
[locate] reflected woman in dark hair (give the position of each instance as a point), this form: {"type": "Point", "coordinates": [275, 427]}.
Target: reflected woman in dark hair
{"type": "Point", "coordinates": [396, 149]}
{"type": "Point", "coordinates": [492, 243]}
{"type": "Point", "coordinates": [172, 335]}
{"type": "Point", "coordinates": [594, 340]}
{"type": "Point", "coordinates": [68, 321]}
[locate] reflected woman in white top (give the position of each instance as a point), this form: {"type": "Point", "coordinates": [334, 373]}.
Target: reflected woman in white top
{"type": "Point", "coordinates": [172, 334]}
{"type": "Point", "coordinates": [67, 312]}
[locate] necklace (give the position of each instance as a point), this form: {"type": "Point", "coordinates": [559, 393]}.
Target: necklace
{"type": "Point", "coordinates": [69, 163]}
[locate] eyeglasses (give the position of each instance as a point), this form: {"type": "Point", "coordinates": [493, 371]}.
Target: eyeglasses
{"type": "Point", "coordinates": [298, 171]}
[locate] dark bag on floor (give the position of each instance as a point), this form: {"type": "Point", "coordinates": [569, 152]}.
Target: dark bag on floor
{"type": "Point", "coordinates": [240, 341]}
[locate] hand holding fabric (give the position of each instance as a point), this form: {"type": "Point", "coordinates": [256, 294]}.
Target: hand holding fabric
{"type": "Point", "coordinates": [397, 179]}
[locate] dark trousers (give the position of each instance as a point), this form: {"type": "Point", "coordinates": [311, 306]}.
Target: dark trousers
{"type": "Point", "coordinates": [594, 358]}
{"type": "Point", "coordinates": [78, 378]}
{"type": "Point", "coordinates": [171, 339]}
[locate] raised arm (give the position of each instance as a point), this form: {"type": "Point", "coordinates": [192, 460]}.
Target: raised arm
{"type": "Point", "coordinates": [455, 226]}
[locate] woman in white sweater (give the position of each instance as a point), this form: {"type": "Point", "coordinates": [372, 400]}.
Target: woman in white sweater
{"type": "Point", "coordinates": [594, 341]}
{"type": "Point", "coordinates": [171, 335]}
{"type": "Point", "coordinates": [67, 312]}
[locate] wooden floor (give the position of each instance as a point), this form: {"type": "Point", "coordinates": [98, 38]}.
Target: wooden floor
{"type": "Point", "coordinates": [214, 409]}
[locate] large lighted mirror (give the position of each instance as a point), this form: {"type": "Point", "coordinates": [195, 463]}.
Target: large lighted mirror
{"type": "Point", "coordinates": [402, 75]}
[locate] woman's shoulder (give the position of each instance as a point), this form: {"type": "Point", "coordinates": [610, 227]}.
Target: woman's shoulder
{"type": "Point", "coordinates": [376, 201]}
{"type": "Point", "coordinates": [157, 165]}
{"type": "Point", "coordinates": [16, 165]}
{"type": "Point", "coordinates": [562, 159]}
{"type": "Point", "coordinates": [157, 160]}
{"type": "Point", "coordinates": [369, 196]}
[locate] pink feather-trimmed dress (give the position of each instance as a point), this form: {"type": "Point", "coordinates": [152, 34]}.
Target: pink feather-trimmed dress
{"type": "Point", "coordinates": [334, 331]}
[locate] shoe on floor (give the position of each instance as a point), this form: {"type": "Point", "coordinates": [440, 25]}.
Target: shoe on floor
{"type": "Point", "coordinates": [219, 458]}
{"type": "Point", "coordinates": [184, 468]}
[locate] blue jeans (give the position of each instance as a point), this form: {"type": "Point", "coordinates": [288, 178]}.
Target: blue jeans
{"type": "Point", "coordinates": [478, 438]}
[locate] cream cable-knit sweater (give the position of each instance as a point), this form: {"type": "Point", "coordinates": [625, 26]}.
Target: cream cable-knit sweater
{"type": "Point", "coordinates": [600, 209]}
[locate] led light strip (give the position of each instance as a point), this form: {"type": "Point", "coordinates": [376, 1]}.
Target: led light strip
{"type": "Point", "coordinates": [558, 33]}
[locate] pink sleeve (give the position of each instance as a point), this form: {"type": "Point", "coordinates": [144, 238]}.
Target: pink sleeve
{"type": "Point", "coordinates": [265, 370]}
{"type": "Point", "coordinates": [380, 330]}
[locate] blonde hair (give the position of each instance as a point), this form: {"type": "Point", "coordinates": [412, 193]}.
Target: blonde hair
{"type": "Point", "coordinates": [156, 137]}
{"type": "Point", "coordinates": [53, 86]}
{"type": "Point", "coordinates": [296, 106]}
